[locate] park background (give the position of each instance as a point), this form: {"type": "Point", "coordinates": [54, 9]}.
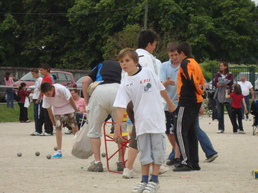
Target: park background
{"type": "Point", "coordinates": [77, 34]}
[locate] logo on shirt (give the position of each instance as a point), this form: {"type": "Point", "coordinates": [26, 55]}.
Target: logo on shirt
{"type": "Point", "coordinates": [147, 87]}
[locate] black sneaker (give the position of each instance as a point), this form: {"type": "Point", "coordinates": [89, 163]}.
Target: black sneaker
{"type": "Point", "coordinates": [177, 162]}
{"type": "Point", "coordinates": [197, 168]}
{"type": "Point", "coordinates": [182, 168]}
{"type": "Point", "coordinates": [170, 162]}
{"type": "Point", "coordinates": [211, 158]}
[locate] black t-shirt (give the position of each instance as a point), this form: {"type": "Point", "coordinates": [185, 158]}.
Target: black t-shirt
{"type": "Point", "coordinates": [108, 71]}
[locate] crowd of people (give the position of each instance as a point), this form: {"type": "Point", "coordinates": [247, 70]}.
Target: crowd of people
{"type": "Point", "coordinates": [161, 99]}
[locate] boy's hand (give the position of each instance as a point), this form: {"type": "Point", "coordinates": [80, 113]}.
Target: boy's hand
{"type": "Point", "coordinates": [54, 123]}
{"type": "Point", "coordinates": [246, 111]}
{"type": "Point", "coordinates": [171, 107]}
{"type": "Point", "coordinates": [117, 137]}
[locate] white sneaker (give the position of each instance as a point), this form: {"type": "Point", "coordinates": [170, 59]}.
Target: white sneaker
{"type": "Point", "coordinates": [220, 131]}
{"type": "Point", "coordinates": [128, 173]}
{"type": "Point", "coordinates": [45, 134]}
{"type": "Point", "coordinates": [139, 188]}
{"type": "Point", "coordinates": [241, 132]}
{"type": "Point", "coordinates": [163, 169]}
{"type": "Point", "coordinates": [151, 187]}
{"type": "Point", "coordinates": [68, 132]}
{"type": "Point", "coordinates": [35, 133]}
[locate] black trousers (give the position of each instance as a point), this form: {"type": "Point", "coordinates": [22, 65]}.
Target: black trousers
{"type": "Point", "coordinates": [237, 116]}
{"type": "Point", "coordinates": [23, 112]}
{"type": "Point", "coordinates": [185, 132]}
{"type": "Point", "coordinates": [44, 118]}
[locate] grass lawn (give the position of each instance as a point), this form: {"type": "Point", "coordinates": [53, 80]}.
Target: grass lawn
{"type": "Point", "coordinates": [12, 115]}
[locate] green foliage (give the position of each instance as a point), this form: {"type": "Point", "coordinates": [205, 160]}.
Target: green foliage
{"type": "Point", "coordinates": [120, 40]}
{"type": "Point", "coordinates": [81, 33]}
{"type": "Point", "coordinates": [208, 67]}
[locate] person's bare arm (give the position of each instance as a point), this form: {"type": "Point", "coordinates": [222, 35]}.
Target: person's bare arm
{"type": "Point", "coordinates": [119, 117]}
{"type": "Point", "coordinates": [226, 94]}
{"type": "Point", "coordinates": [85, 84]}
{"type": "Point", "coordinates": [168, 82]}
{"type": "Point", "coordinates": [171, 105]}
{"type": "Point", "coordinates": [51, 116]}
{"type": "Point", "coordinates": [243, 100]}
{"type": "Point", "coordinates": [252, 92]}
{"type": "Point", "coordinates": [73, 104]}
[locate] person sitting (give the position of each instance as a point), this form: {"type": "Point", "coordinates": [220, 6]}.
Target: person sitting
{"type": "Point", "coordinates": [80, 103]}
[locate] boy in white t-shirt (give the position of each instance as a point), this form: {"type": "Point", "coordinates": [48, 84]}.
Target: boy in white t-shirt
{"type": "Point", "coordinates": [143, 88]}
{"type": "Point", "coordinates": [37, 104]}
{"type": "Point", "coordinates": [64, 109]}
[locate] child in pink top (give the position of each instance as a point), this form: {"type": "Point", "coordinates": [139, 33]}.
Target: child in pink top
{"type": "Point", "coordinates": [9, 91]}
{"type": "Point", "coordinates": [237, 99]}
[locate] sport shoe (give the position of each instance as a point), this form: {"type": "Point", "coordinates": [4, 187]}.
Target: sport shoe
{"type": "Point", "coordinates": [163, 169]}
{"type": "Point", "coordinates": [45, 134]}
{"type": "Point", "coordinates": [211, 158]}
{"type": "Point", "coordinates": [151, 187]}
{"type": "Point", "coordinates": [220, 131]}
{"type": "Point", "coordinates": [128, 173]}
{"type": "Point", "coordinates": [68, 132]}
{"type": "Point", "coordinates": [177, 162]}
{"type": "Point", "coordinates": [35, 133]}
{"type": "Point", "coordinates": [119, 166]}
{"type": "Point", "coordinates": [170, 162]}
{"type": "Point", "coordinates": [182, 168]}
{"type": "Point", "coordinates": [140, 187]}
{"type": "Point", "coordinates": [98, 167]}
{"type": "Point", "coordinates": [241, 132]}
{"type": "Point", "coordinates": [57, 155]}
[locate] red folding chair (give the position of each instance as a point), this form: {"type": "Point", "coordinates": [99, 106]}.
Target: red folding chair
{"type": "Point", "coordinates": [122, 148]}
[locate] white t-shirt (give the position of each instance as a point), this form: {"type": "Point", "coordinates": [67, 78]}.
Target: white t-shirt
{"type": "Point", "coordinates": [60, 102]}
{"type": "Point", "coordinates": [36, 88]}
{"type": "Point", "coordinates": [143, 89]}
{"type": "Point", "coordinates": [146, 59]}
{"type": "Point", "coordinates": [245, 87]}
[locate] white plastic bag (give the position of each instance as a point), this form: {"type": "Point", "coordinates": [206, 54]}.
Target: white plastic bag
{"type": "Point", "coordinates": [82, 147]}
{"type": "Point", "coordinates": [27, 102]}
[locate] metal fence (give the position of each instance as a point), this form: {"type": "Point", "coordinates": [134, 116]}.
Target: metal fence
{"type": "Point", "coordinates": [249, 72]}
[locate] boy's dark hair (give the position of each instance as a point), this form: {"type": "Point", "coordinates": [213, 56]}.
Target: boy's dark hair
{"type": "Point", "coordinates": [147, 36]}
{"type": "Point", "coordinates": [45, 67]}
{"type": "Point", "coordinates": [75, 90]}
{"type": "Point", "coordinates": [35, 70]}
{"type": "Point", "coordinates": [186, 48]}
{"type": "Point", "coordinates": [45, 87]}
{"type": "Point", "coordinates": [172, 47]}
{"type": "Point", "coordinates": [130, 52]}
{"type": "Point", "coordinates": [237, 89]}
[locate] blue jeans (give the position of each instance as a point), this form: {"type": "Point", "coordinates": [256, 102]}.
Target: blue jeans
{"type": "Point", "coordinates": [204, 141]}
{"type": "Point", "coordinates": [214, 109]}
{"type": "Point", "coordinates": [247, 106]}
{"type": "Point", "coordinates": [79, 117]}
{"type": "Point", "coordinates": [220, 110]}
{"type": "Point", "coordinates": [9, 93]}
